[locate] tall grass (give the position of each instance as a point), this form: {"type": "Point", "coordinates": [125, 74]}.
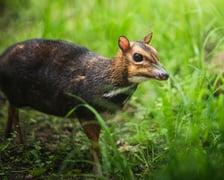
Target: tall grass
{"type": "Point", "coordinates": [170, 130]}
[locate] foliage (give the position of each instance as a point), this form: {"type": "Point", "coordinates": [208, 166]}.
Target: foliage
{"type": "Point", "coordinates": [169, 130]}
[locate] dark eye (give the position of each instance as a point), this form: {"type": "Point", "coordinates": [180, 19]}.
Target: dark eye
{"type": "Point", "coordinates": [138, 57]}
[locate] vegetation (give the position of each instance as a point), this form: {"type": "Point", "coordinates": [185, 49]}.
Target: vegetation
{"type": "Point", "coordinates": [169, 130]}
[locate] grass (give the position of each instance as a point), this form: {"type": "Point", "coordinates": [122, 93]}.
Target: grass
{"type": "Point", "coordinates": [170, 130]}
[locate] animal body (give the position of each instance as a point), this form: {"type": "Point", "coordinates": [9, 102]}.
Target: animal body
{"type": "Point", "coordinates": [52, 76]}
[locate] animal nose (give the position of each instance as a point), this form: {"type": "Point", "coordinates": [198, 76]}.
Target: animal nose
{"type": "Point", "coordinates": [161, 72]}
{"type": "Point", "coordinates": [164, 76]}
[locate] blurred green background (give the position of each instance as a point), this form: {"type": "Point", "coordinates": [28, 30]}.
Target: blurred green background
{"type": "Point", "coordinates": [170, 130]}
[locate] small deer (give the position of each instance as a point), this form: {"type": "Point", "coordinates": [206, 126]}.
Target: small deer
{"type": "Point", "coordinates": [44, 74]}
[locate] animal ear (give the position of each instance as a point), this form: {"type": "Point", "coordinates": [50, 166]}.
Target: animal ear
{"type": "Point", "coordinates": [123, 43]}
{"type": "Point", "coordinates": [147, 38]}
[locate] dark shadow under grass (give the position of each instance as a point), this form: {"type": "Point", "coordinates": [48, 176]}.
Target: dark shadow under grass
{"type": "Point", "coordinates": [51, 149]}
{"type": "Point", "coordinates": [56, 147]}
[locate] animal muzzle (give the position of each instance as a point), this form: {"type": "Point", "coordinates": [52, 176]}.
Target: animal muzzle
{"type": "Point", "coordinates": [160, 72]}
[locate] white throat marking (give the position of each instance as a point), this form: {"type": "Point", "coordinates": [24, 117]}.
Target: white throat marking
{"type": "Point", "coordinates": [117, 91]}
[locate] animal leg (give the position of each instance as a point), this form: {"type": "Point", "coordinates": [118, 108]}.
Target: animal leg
{"type": "Point", "coordinates": [8, 129]}
{"type": "Point", "coordinates": [13, 122]}
{"type": "Point", "coordinates": [92, 130]}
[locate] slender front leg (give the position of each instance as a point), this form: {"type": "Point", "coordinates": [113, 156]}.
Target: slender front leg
{"type": "Point", "coordinates": [13, 122]}
{"type": "Point", "coordinates": [8, 129]}
{"type": "Point", "coordinates": [92, 130]}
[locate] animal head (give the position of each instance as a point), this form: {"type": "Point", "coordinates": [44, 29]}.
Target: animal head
{"type": "Point", "coordinates": [141, 59]}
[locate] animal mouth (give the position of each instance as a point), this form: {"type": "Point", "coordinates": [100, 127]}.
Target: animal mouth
{"type": "Point", "coordinates": [161, 73]}
{"type": "Point", "coordinates": [161, 76]}
{"type": "Point", "coordinates": [144, 77]}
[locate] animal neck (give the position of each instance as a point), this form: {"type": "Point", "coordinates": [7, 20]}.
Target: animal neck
{"type": "Point", "coordinates": [119, 75]}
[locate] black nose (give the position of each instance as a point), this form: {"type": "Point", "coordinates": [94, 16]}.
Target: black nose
{"type": "Point", "coordinates": [164, 76]}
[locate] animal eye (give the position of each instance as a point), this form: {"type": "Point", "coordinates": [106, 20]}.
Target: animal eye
{"type": "Point", "coordinates": [138, 57]}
